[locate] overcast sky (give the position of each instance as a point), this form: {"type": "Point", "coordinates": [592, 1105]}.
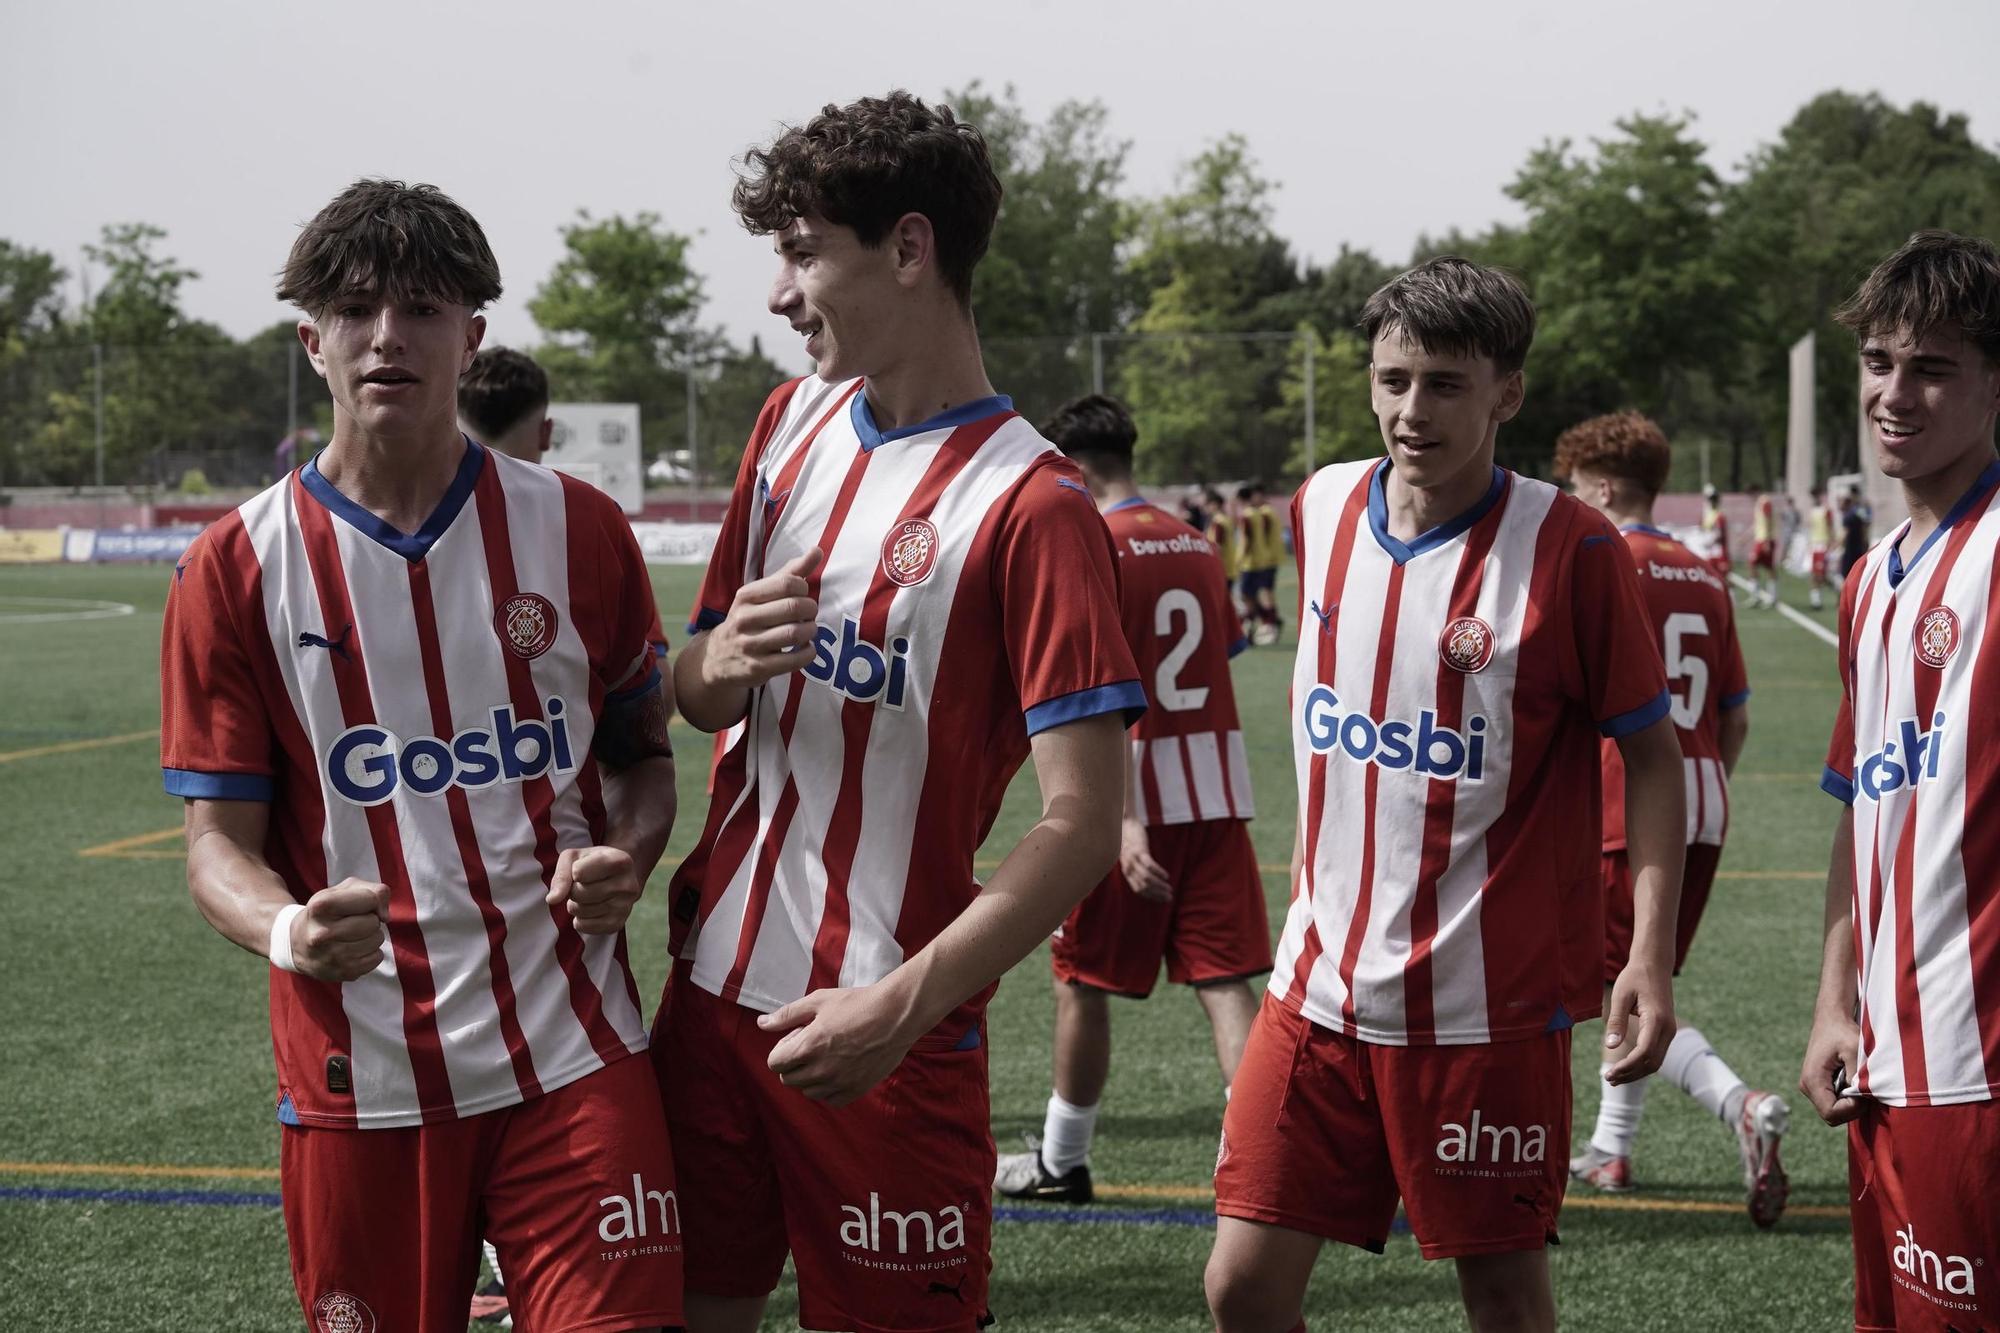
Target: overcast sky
{"type": "Point", "coordinates": [228, 124]}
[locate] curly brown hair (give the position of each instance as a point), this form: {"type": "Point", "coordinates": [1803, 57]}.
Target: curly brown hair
{"type": "Point", "coordinates": [867, 164]}
{"type": "Point", "coordinates": [1625, 445]}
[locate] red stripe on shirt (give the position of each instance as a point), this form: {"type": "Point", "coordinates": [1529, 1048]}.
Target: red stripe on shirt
{"type": "Point", "coordinates": [357, 708]}
{"type": "Point", "coordinates": [1328, 630]}
{"type": "Point", "coordinates": [1864, 940]}
{"type": "Point", "coordinates": [463, 833]}
{"type": "Point", "coordinates": [772, 843]}
{"type": "Point", "coordinates": [1378, 706]}
{"type": "Point", "coordinates": [1979, 852]}
{"type": "Point", "coordinates": [538, 794]}
{"type": "Point", "coordinates": [857, 720]}
{"type": "Point", "coordinates": [1441, 794]}
{"type": "Point", "coordinates": [308, 1022]}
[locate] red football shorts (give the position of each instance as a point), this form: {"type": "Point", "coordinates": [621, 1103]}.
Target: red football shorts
{"type": "Point", "coordinates": [1926, 1229]}
{"type": "Point", "coordinates": [1819, 564]}
{"type": "Point", "coordinates": [574, 1188]}
{"type": "Point", "coordinates": [885, 1204]}
{"type": "Point", "coordinates": [1323, 1133]}
{"type": "Point", "coordinates": [1696, 881]}
{"type": "Point", "coordinates": [1215, 929]}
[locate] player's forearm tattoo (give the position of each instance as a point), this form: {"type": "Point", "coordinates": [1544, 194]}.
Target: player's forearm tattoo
{"type": "Point", "coordinates": [633, 727]}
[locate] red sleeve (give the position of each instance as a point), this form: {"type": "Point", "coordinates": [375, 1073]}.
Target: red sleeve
{"type": "Point", "coordinates": [1735, 685]}
{"type": "Point", "coordinates": [215, 734]}
{"type": "Point", "coordinates": [1056, 580]}
{"type": "Point", "coordinates": [1837, 779]}
{"type": "Point", "coordinates": [633, 618]}
{"type": "Point", "coordinates": [732, 547]}
{"type": "Point", "coordinates": [1623, 681]}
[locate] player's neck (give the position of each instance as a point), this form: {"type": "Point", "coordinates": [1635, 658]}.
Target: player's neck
{"type": "Point", "coordinates": [400, 480]}
{"type": "Point", "coordinates": [1931, 498]}
{"type": "Point", "coordinates": [939, 369]}
{"type": "Point", "coordinates": [1631, 515]}
{"type": "Point", "coordinates": [1415, 510]}
{"type": "Point", "coordinates": [1110, 494]}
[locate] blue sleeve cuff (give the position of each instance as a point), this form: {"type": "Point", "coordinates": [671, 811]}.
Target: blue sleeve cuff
{"type": "Point", "coordinates": [1737, 700]}
{"type": "Point", "coordinates": [1127, 696]}
{"type": "Point", "coordinates": [1839, 788]}
{"type": "Point", "coordinates": [644, 687]}
{"type": "Point", "coordinates": [187, 783]}
{"type": "Point", "coordinates": [704, 620]}
{"type": "Point", "coordinates": [1240, 645]}
{"type": "Point", "coordinates": [1638, 719]}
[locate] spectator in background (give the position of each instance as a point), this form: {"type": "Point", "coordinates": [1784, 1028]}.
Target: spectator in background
{"type": "Point", "coordinates": [503, 402]}
{"type": "Point", "coordinates": [1192, 512]}
{"type": "Point", "coordinates": [1854, 522]}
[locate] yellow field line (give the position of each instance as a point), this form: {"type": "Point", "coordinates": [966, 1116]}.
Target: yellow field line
{"type": "Point", "coordinates": [1149, 1193]}
{"type": "Point", "coordinates": [71, 747]}
{"type": "Point", "coordinates": [126, 849]}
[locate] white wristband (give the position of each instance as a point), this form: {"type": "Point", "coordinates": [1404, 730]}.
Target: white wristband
{"type": "Point", "coordinates": [281, 937]}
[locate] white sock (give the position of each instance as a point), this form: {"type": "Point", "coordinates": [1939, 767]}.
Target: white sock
{"type": "Point", "coordinates": [1066, 1135]}
{"type": "Point", "coordinates": [1693, 1066]}
{"type": "Point", "coordinates": [1618, 1112]}
{"type": "Point", "coordinates": [492, 1259]}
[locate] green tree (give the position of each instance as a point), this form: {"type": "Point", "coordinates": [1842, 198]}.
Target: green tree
{"type": "Point", "coordinates": [1208, 259]}
{"type": "Point", "coordinates": [622, 310]}
{"type": "Point", "coordinates": [1053, 273]}
{"type": "Point", "coordinates": [1344, 425]}
{"type": "Point", "coordinates": [32, 365]}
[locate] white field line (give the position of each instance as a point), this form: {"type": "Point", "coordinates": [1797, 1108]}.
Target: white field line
{"type": "Point", "coordinates": [1799, 618]}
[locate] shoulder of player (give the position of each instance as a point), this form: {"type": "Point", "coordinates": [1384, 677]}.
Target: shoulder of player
{"type": "Point", "coordinates": [1327, 489]}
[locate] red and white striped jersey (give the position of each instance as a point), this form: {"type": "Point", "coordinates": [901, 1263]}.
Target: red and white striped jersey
{"type": "Point", "coordinates": [968, 600]}
{"type": "Point", "coordinates": [1918, 674]}
{"type": "Point", "coordinates": [1188, 760]}
{"type": "Point", "coordinates": [1447, 700]}
{"type": "Point", "coordinates": [1694, 620]}
{"type": "Point", "coordinates": [418, 710]}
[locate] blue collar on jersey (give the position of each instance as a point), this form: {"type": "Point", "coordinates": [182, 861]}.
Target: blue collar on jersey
{"type": "Point", "coordinates": [1648, 529]}
{"type": "Point", "coordinates": [1897, 569]}
{"type": "Point", "coordinates": [1126, 504]}
{"type": "Point", "coordinates": [964, 414]}
{"type": "Point", "coordinates": [412, 547]}
{"type": "Point", "coordinates": [1378, 516]}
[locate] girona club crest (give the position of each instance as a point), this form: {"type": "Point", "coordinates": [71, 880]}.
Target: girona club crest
{"type": "Point", "coordinates": [338, 1312]}
{"type": "Point", "coordinates": [909, 552]}
{"type": "Point", "coordinates": [1937, 636]}
{"type": "Point", "coordinates": [526, 623]}
{"type": "Point", "coordinates": [1466, 645]}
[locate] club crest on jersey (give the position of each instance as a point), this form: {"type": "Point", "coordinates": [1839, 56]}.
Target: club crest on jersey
{"type": "Point", "coordinates": [1466, 645]}
{"type": "Point", "coordinates": [526, 623]}
{"type": "Point", "coordinates": [1937, 636]}
{"type": "Point", "coordinates": [910, 551]}
{"type": "Point", "coordinates": [338, 1312]}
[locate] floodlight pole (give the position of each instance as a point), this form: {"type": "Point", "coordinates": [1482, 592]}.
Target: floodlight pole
{"type": "Point", "coordinates": [97, 376]}
{"type": "Point", "coordinates": [694, 469]}
{"type": "Point", "coordinates": [1097, 363]}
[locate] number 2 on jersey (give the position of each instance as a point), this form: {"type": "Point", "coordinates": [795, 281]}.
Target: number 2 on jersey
{"type": "Point", "coordinates": [1685, 666]}
{"type": "Point", "coordinates": [1167, 692]}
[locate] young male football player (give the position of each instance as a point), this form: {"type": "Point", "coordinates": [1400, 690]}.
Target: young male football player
{"type": "Point", "coordinates": [410, 704]}
{"type": "Point", "coordinates": [1905, 1046]}
{"type": "Point", "coordinates": [1763, 548]}
{"type": "Point", "coordinates": [503, 402]}
{"type": "Point", "coordinates": [1221, 532]}
{"type": "Point", "coordinates": [1472, 634]}
{"type": "Point", "coordinates": [1820, 524]}
{"type": "Point", "coordinates": [912, 593]}
{"type": "Point", "coordinates": [1617, 464]}
{"type": "Point", "coordinates": [1715, 531]}
{"type": "Point", "coordinates": [1186, 888]}
{"type": "Point", "coordinates": [1263, 551]}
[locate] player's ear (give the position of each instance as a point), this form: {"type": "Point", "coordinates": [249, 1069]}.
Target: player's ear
{"type": "Point", "coordinates": [548, 433]}
{"type": "Point", "coordinates": [1513, 392]}
{"type": "Point", "coordinates": [912, 247]}
{"type": "Point", "coordinates": [475, 334]}
{"type": "Point", "coordinates": [309, 339]}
